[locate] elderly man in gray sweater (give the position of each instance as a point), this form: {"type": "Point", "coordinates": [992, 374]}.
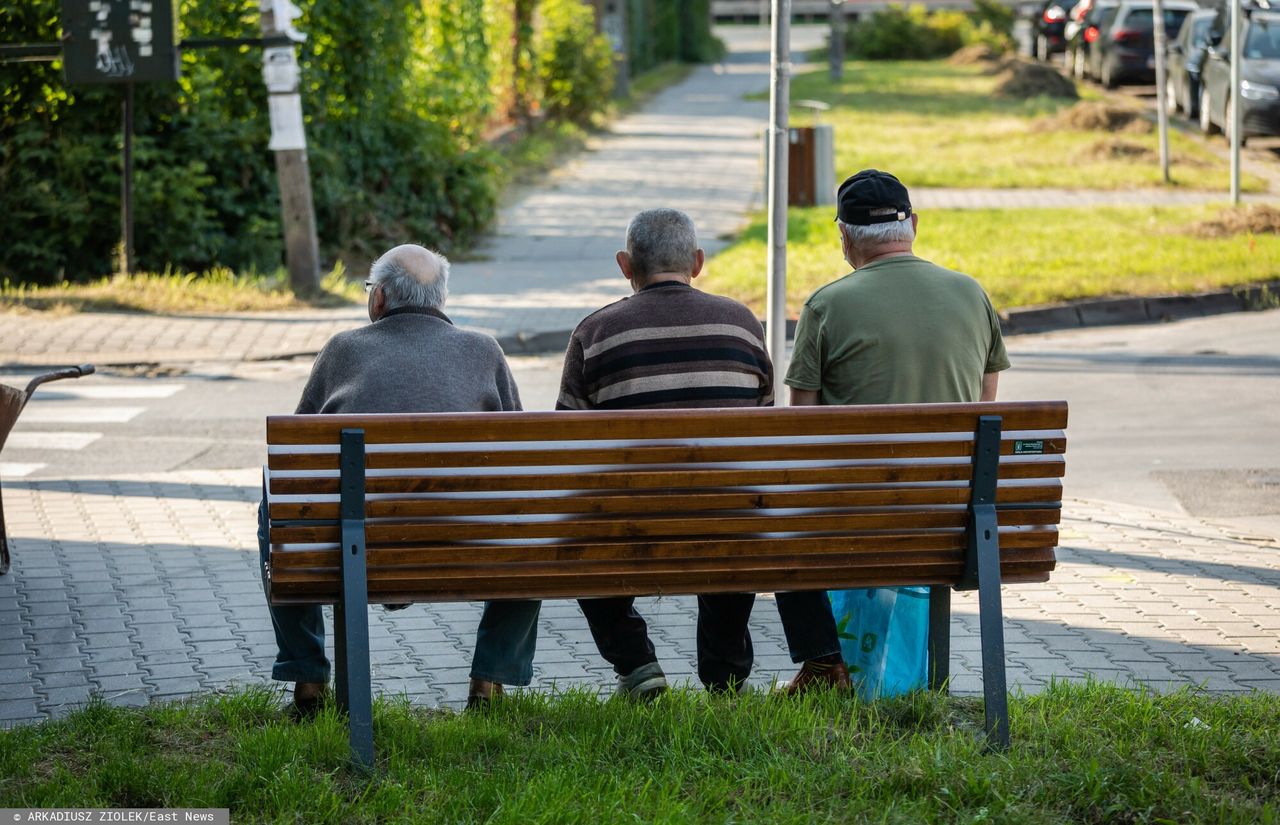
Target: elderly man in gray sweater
{"type": "Point", "coordinates": [411, 358]}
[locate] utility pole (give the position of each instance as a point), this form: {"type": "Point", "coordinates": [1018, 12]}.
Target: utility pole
{"type": "Point", "coordinates": [837, 40]}
{"type": "Point", "coordinates": [289, 142]}
{"type": "Point", "coordinates": [1162, 109]}
{"type": "Point", "coordinates": [1233, 100]}
{"type": "Point", "coordinates": [779, 103]}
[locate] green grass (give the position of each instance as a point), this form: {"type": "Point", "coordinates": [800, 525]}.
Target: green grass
{"type": "Point", "coordinates": [1022, 256]}
{"type": "Point", "coordinates": [218, 291]}
{"type": "Point", "coordinates": [937, 125]}
{"type": "Point", "coordinates": [1080, 754]}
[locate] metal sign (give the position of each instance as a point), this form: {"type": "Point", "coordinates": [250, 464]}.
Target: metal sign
{"type": "Point", "coordinates": [118, 41]}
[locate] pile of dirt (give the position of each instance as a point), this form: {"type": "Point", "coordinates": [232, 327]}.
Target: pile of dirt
{"type": "Point", "coordinates": [1096, 116]}
{"type": "Point", "coordinates": [1022, 79]}
{"type": "Point", "coordinates": [1258, 219]}
{"type": "Point", "coordinates": [1117, 149]}
{"type": "Point", "coordinates": [973, 55]}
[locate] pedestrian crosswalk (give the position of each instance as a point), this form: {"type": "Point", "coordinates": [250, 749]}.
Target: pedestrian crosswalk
{"type": "Point", "coordinates": [68, 416]}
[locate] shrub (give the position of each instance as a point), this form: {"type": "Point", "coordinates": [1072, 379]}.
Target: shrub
{"type": "Point", "coordinates": [915, 33]}
{"type": "Point", "coordinates": [575, 64]}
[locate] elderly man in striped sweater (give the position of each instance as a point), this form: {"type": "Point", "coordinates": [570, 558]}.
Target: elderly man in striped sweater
{"type": "Point", "coordinates": [671, 346]}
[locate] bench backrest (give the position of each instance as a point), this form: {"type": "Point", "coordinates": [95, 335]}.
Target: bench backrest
{"type": "Point", "coordinates": [473, 506]}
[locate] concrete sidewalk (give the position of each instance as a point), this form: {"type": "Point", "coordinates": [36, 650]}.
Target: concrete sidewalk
{"type": "Point", "coordinates": [137, 588]}
{"type": "Point", "coordinates": [549, 261]}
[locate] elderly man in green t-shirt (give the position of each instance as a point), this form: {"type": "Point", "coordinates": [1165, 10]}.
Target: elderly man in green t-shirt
{"type": "Point", "coordinates": [898, 329]}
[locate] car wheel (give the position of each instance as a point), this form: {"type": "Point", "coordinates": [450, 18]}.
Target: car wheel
{"type": "Point", "coordinates": [1170, 96]}
{"type": "Point", "coordinates": [1206, 122]}
{"type": "Point", "coordinates": [1108, 75]}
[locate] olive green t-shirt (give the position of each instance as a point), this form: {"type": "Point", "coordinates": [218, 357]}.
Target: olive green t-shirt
{"type": "Point", "coordinates": [898, 331]}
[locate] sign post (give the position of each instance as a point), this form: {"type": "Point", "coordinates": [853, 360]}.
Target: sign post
{"type": "Point", "coordinates": [120, 42]}
{"type": "Point", "coordinates": [836, 53]}
{"type": "Point", "coordinates": [1233, 115]}
{"type": "Point", "coordinates": [289, 142]}
{"type": "Point", "coordinates": [1162, 106]}
{"type": "Point", "coordinates": [779, 132]}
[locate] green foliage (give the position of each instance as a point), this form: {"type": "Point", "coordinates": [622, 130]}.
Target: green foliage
{"type": "Point", "coordinates": [660, 31]}
{"type": "Point", "coordinates": [575, 64]}
{"type": "Point", "coordinates": [398, 97]}
{"type": "Point", "coordinates": [915, 33]}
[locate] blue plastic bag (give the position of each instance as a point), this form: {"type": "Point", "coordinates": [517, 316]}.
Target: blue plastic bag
{"type": "Point", "coordinates": [884, 635]}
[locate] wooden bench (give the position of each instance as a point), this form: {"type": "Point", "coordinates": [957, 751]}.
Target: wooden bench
{"type": "Point", "coordinates": [556, 505]}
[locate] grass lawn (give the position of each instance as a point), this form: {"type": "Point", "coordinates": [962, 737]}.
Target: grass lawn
{"type": "Point", "coordinates": [938, 125]}
{"type": "Point", "coordinates": [1081, 754]}
{"type": "Point", "coordinates": [1023, 257]}
{"type": "Point", "coordinates": [218, 291]}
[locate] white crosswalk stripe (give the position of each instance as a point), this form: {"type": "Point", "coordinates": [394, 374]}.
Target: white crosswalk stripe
{"type": "Point", "coordinates": [53, 413]}
{"type": "Point", "coordinates": [15, 470]}
{"type": "Point", "coordinates": [110, 392]}
{"type": "Point", "coordinates": [50, 440]}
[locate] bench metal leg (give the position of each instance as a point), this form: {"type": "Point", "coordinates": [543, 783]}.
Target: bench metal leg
{"type": "Point", "coordinates": [939, 636]}
{"type": "Point", "coordinates": [351, 613]}
{"type": "Point", "coordinates": [982, 570]}
{"type": "Point", "coordinates": [4, 539]}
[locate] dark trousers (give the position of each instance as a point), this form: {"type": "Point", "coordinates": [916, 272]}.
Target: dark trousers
{"type": "Point", "coordinates": [725, 654]}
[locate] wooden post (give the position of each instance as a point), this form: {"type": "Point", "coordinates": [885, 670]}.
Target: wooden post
{"type": "Point", "coordinates": [289, 142]}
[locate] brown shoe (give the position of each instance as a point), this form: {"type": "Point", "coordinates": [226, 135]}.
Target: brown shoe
{"type": "Point", "coordinates": [482, 693]}
{"type": "Point", "coordinates": [816, 674]}
{"type": "Point", "coordinates": [308, 698]}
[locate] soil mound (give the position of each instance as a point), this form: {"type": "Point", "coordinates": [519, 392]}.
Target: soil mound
{"type": "Point", "coordinates": [1117, 149]}
{"type": "Point", "coordinates": [1258, 219]}
{"type": "Point", "coordinates": [1095, 116]}
{"type": "Point", "coordinates": [1021, 79]}
{"type": "Point", "coordinates": [973, 55]}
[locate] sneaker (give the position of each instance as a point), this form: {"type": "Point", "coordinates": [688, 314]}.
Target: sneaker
{"type": "Point", "coordinates": [644, 683]}
{"type": "Point", "coordinates": [817, 674]}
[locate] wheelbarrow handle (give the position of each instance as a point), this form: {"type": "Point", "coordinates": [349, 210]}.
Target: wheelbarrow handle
{"type": "Point", "coordinates": [57, 375]}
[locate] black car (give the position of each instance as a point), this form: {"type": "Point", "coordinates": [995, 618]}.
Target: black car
{"type": "Point", "coordinates": [1124, 51]}
{"type": "Point", "coordinates": [1183, 60]}
{"type": "Point", "coordinates": [1259, 77]}
{"type": "Point", "coordinates": [1047, 29]}
{"type": "Point", "coordinates": [1085, 33]}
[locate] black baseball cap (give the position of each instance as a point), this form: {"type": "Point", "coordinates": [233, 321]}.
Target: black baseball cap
{"type": "Point", "coordinates": [871, 190]}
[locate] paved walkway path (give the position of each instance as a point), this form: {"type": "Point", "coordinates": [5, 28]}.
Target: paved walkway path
{"type": "Point", "coordinates": [142, 587]}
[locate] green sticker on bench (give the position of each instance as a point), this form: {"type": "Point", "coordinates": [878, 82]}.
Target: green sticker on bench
{"type": "Point", "coordinates": [1028, 447]}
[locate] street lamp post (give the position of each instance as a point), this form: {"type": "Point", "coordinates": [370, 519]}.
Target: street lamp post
{"type": "Point", "coordinates": [779, 102]}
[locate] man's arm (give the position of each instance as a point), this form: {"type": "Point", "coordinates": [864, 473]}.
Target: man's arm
{"type": "Point", "coordinates": [804, 398]}
{"type": "Point", "coordinates": [989, 382]}
{"type": "Point", "coordinates": [573, 393]}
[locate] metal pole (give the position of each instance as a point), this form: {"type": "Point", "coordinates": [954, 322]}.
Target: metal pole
{"type": "Point", "coordinates": [837, 40]}
{"type": "Point", "coordinates": [126, 185]}
{"type": "Point", "coordinates": [1162, 113]}
{"type": "Point", "coordinates": [1233, 99]}
{"type": "Point", "coordinates": [779, 102]}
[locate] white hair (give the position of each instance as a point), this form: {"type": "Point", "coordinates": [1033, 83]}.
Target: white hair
{"type": "Point", "coordinates": [403, 288]}
{"type": "Point", "coordinates": [878, 234]}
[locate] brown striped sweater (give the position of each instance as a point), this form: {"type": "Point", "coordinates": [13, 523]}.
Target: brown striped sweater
{"type": "Point", "coordinates": [667, 346]}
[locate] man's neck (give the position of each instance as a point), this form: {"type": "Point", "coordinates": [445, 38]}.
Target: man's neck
{"type": "Point", "coordinates": [889, 251]}
{"type": "Point", "coordinates": [665, 278]}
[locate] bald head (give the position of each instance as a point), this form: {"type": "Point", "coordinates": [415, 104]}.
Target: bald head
{"type": "Point", "coordinates": [411, 275]}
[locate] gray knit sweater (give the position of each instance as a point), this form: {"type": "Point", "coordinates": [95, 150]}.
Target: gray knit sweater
{"type": "Point", "coordinates": [410, 360]}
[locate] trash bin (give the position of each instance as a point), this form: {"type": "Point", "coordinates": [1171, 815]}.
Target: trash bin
{"type": "Point", "coordinates": [811, 177]}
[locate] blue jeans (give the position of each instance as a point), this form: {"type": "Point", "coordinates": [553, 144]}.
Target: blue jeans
{"type": "Point", "coordinates": [505, 640]}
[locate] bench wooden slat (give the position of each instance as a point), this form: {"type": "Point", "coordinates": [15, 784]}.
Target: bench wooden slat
{"type": "Point", "coordinates": [947, 445]}
{"type": "Point", "coordinates": [689, 524]}
{"type": "Point", "coordinates": [643, 424]}
{"type": "Point", "coordinates": [1045, 467]}
{"type": "Point", "coordinates": [1009, 493]}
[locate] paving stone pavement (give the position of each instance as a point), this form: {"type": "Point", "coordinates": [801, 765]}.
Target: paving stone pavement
{"type": "Point", "coordinates": [146, 587]}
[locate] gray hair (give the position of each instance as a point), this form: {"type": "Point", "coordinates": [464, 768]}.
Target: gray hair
{"type": "Point", "coordinates": [878, 234]}
{"type": "Point", "coordinates": [400, 273]}
{"type": "Point", "coordinates": [661, 240]}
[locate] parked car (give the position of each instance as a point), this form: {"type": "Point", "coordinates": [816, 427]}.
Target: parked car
{"type": "Point", "coordinates": [1124, 50]}
{"type": "Point", "coordinates": [1096, 18]}
{"type": "Point", "coordinates": [1048, 26]}
{"type": "Point", "coordinates": [1259, 77]}
{"type": "Point", "coordinates": [1183, 60]}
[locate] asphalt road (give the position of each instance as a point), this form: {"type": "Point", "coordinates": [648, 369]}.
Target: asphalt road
{"type": "Point", "coordinates": [1180, 417]}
